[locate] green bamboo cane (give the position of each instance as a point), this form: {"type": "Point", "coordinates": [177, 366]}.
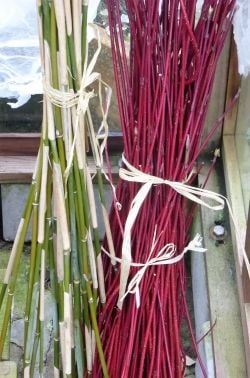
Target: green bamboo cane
{"type": "Point", "coordinates": [55, 295]}
{"type": "Point", "coordinates": [86, 275]}
{"type": "Point", "coordinates": [52, 41]}
{"type": "Point", "coordinates": [30, 368]}
{"type": "Point", "coordinates": [10, 278]}
{"type": "Point", "coordinates": [44, 254]}
{"type": "Point", "coordinates": [72, 262]}
{"type": "Point", "coordinates": [65, 321]}
{"type": "Point", "coordinates": [84, 30]}
{"type": "Point", "coordinates": [34, 260]}
{"type": "Point", "coordinates": [82, 232]}
{"type": "Point", "coordinates": [41, 313]}
{"type": "Point", "coordinates": [84, 217]}
{"type": "Point", "coordinates": [99, 167]}
{"type": "Point", "coordinates": [42, 235]}
{"type": "Point", "coordinates": [32, 254]}
{"type": "Point", "coordinates": [33, 321]}
{"type": "Point", "coordinates": [76, 282]}
{"type": "Point", "coordinates": [91, 294]}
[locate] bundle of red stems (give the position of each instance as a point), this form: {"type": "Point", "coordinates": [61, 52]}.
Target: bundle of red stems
{"type": "Point", "coordinates": [163, 92]}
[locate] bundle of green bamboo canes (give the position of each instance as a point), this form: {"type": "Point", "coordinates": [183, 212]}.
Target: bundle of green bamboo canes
{"type": "Point", "coordinates": [61, 204]}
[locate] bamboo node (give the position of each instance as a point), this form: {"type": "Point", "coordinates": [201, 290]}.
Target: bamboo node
{"type": "Point", "coordinates": [85, 277]}
{"type": "Point", "coordinates": [66, 252]}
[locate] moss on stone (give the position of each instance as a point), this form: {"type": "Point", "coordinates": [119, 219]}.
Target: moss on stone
{"type": "Point", "coordinates": [21, 285]}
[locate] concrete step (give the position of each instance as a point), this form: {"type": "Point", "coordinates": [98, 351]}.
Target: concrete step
{"type": "Point", "coordinates": [15, 177]}
{"type": "Point", "coordinates": [19, 169]}
{"type": "Point", "coordinates": [13, 198]}
{"type": "Point", "coordinates": [13, 352]}
{"type": "Point", "coordinates": [215, 294]}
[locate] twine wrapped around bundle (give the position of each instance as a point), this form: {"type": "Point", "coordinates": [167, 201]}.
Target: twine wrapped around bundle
{"type": "Point", "coordinates": [166, 256]}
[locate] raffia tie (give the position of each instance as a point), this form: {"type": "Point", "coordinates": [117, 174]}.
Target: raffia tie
{"type": "Point", "coordinates": [68, 98]}
{"type": "Point", "coordinates": [166, 256]}
{"type": "Point", "coordinates": [131, 174]}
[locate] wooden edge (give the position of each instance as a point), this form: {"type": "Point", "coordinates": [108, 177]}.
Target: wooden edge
{"type": "Point", "coordinates": [19, 169]}
{"type": "Point", "coordinates": [233, 85]}
{"type": "Point", "coordinates": [223, 299]}
{"type": "Point", "coordinates": [19, 178]}
{"type": "Point", "coordinates": [19, 135]}
{"type": "Point", "coordinates": [234, 191]}
{"type": "Point", "coordinates": [28, 144]}
{"type": "Point", "coordinates": [19, 144]}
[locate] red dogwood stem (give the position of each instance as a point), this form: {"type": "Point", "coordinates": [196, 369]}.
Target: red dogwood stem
{"type": "Point", "coordinates": [163, 92]}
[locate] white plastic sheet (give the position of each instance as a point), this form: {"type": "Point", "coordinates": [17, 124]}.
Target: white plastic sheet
{"type": "Point", "coordinates": [242, 35]}
{"type": "Point", "coordinates": [19, 51]}
{"type": "Point", "coordinates": [20, 74]}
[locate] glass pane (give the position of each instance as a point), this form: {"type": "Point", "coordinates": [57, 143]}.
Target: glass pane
{"type": "Point", "coordinates": [26, 119]}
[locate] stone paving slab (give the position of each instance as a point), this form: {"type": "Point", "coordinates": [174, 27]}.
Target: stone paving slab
{"type": "Point", "coordinates": [19, 302]}
{"type": "Point", "coordinates": [13, 197]}
{"type": "Point", "coordinates": [8, 369]}
{"type": "Point", "coordinates": [15, 339]}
